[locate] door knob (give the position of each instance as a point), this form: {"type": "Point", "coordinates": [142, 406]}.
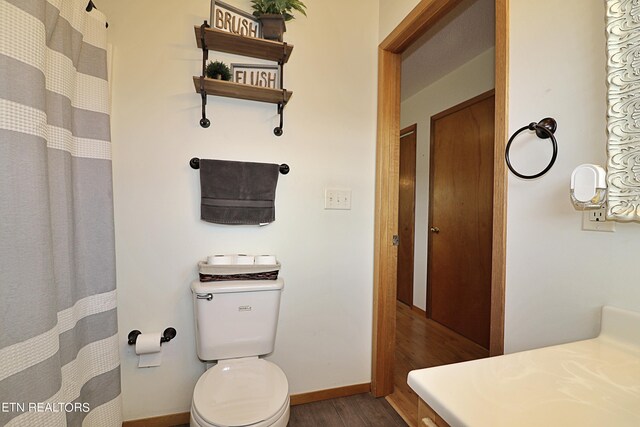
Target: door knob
{"type": "Point", "coordinates": [435, 230]}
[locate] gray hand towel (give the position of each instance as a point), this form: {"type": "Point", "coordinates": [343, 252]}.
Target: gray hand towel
{"type": "Point", "coordinates": [238, 192]}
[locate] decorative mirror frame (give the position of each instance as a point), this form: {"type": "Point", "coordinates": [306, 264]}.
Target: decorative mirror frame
{"type": "Point", "coordinates": [623, 109]}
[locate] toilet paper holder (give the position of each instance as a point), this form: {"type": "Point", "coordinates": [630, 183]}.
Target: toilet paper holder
{"type": "Point", "coordinates": [167, 335]}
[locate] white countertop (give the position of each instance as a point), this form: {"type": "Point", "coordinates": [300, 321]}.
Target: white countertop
{"type": "Point", "coordinates": [594, 382]}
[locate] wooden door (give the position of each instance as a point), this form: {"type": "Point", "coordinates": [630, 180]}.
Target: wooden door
{"type": "Point", "coordinates": [406, 214]}
{"type": "Point", "coordinates": [460, 218]}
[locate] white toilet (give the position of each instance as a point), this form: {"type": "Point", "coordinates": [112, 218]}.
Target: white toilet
{"type": "Point", "coordinates": [236, 322]}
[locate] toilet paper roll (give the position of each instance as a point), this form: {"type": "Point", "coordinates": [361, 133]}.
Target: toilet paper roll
{"type": "Point", "coordinates": [220, 260]}
{"type": "Point", "coordinates": [242, 259]}
{"type": "Point", "coordinates": [149, 349]}
{"type": "Point", "coordinates": [266, 260]}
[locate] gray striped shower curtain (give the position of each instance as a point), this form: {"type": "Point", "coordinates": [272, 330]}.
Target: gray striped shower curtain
{"type": "Point", "coordinates": [59, 362]}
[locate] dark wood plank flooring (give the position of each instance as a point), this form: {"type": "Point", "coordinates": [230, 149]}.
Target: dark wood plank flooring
{"type": "Point", "coordinates": [423, 343]}
{"type": "Point", "coordinates": [360, 410]}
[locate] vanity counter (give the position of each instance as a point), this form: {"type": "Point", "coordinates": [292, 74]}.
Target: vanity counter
{"type": "Point", "coordinates": [594, 382]}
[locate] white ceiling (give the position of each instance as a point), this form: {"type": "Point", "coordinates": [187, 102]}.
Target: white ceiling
{"type": "Point", "coordinates": [462, 35]}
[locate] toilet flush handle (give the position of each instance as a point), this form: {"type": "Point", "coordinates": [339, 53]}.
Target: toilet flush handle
{"type": "Point", "coordinates": [208, 297]}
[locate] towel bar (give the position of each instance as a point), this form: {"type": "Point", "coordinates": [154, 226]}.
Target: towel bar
{"type": "Point", "coordinates": [195, 164]}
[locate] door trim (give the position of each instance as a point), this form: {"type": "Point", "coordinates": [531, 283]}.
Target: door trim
{"type": "Point", "coordinates": [409, 129]}
{"type": "Point", "coordinates": [463, 105]}
{"type": "Point", "coordinates": [423, 17]}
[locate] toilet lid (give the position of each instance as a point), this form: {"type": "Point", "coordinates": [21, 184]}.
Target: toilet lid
{"type": "Point", "coordinates": [240, 392]}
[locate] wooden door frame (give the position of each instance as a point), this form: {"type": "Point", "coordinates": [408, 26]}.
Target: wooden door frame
{"type": "Point", "coordinates": [423, 17]}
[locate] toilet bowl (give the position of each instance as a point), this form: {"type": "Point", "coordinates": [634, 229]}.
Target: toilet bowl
{"type": "Point", "coordinates": [241, 392]}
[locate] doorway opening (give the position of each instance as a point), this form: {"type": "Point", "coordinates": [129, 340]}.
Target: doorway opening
{"type": "Point", "coordinates": [425, 16]}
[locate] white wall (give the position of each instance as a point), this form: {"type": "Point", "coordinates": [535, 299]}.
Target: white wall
{"type": "Point", "coordinates": [392, 12]}
{"type": "Point", "coordinates": [471, 79]}
{"type": "Point", "coordinates": [558, 276]}
{"type": "Point", "coordinates": [324, 335]}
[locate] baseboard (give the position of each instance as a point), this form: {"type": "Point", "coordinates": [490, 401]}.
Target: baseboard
{"type": "Point", "coordinates": [331, 393]}
{"type": "Point", "coordinates": [161, 421]}
{"type": "Point", "coordinates": [419, 311]}
{"type": "Point", "coordinates": [296, 399]}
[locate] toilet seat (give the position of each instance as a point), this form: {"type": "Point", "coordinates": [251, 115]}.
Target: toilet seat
{"type": "Point", "coordinates": [241, 392]}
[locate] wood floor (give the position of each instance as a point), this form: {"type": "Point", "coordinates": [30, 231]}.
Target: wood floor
{"type": "Point", "coordinates": [423, 343]}
{"type": "Point", "coordinates": [360, 410]}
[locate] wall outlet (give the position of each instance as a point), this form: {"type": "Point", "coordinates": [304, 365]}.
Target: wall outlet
{"type": "Point", "coordinates": [337, 199]}
{"type": "Point", "coordinates": [596, 220]}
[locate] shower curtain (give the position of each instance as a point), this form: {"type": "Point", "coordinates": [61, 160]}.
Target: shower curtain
{"type": "Point", "coordinates": [59, 362]}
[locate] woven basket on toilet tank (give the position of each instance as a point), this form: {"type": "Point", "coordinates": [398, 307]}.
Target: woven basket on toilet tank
{"type": "Point", "coordinates": [217, 273]}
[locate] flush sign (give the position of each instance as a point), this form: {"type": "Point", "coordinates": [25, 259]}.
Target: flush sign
{"type": "Point", "coordinates": [256, 75]}
{"type": "Point", "coordinates": [244, 308]}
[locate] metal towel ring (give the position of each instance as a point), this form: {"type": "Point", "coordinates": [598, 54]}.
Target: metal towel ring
{"type": "Point", "coordinates": [545, 128]}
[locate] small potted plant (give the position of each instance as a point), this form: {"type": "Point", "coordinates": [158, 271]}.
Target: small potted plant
{"type": "Point", "coordinates": [218, 70]}
{"type": "Point", "coordinates": [273, 13]}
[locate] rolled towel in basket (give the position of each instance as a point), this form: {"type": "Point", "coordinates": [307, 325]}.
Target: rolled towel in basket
{"type": "Point", "coordinates": [238, 192]}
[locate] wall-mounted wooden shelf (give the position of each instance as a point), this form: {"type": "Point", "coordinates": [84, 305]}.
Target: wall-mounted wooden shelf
{"type": "Point", "coordinates": [211, 39]}
{"type": "Point", "coordinates": [242, 91]}
{"type": "Point", "coordinates": [242, 45]}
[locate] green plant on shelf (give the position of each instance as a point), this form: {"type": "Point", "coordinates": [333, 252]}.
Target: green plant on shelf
{"type": "Point", "coordinates": [285, 8]}
{"type": "Point", "coordinates": [218, 70]}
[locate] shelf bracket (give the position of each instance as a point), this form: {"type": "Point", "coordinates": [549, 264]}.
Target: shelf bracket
{"type": "Point", "coordinates": [204, 122]}
{"type": "Point", "coordinates": [278, 130]}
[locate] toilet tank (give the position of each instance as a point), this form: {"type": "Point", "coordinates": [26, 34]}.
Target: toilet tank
{"type": "Point", "coordinates": [236, 318]}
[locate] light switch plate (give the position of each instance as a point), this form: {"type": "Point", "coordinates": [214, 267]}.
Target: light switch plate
{"type": "Point", "coordinates": [337, 199]}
